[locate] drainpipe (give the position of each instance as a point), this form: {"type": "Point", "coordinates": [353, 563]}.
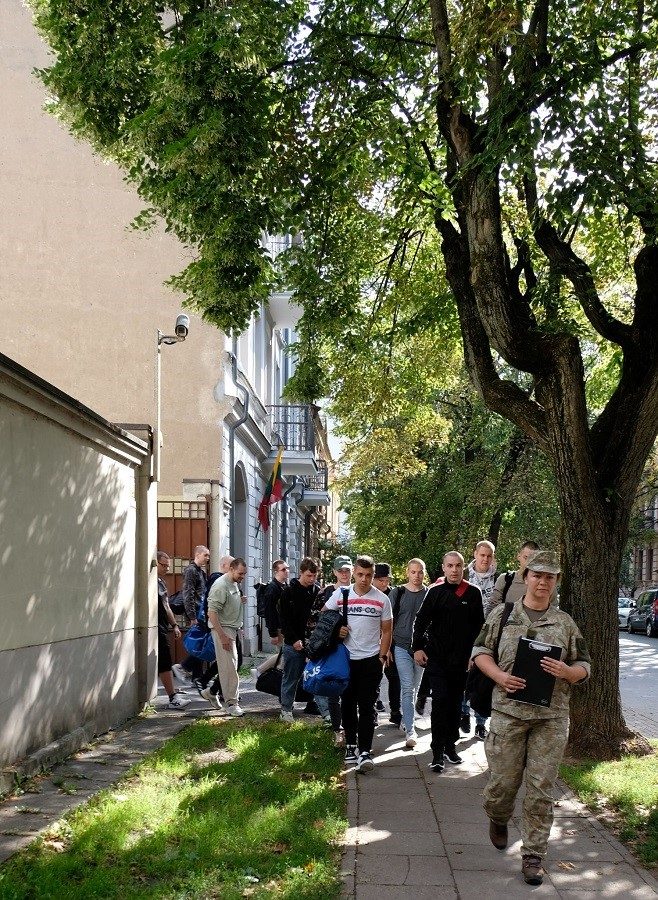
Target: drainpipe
{"type": "Point", "coordinates": [231, 443]}
{"type": "Point", "coordinates": [283, 537]}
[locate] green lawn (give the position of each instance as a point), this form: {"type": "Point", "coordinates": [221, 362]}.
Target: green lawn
{"type": "Point", "coordinates": [226, 809]}
{"type": "Point", "coordinates": [627, 790]}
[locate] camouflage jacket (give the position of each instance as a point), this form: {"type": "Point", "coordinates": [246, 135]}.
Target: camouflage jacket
{"type": "Point", "coordinates": [554, 627]}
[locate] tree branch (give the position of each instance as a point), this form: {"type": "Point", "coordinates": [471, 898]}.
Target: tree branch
{"type": "Point", "coordinates": [560, 85]}
{"type": "Point", "coordinates": [565, 262]}
{"type": "Point", "coordinates": [500, 395]}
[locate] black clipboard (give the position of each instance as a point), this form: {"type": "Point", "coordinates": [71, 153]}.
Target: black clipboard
{"type": "Point", "coordinates": [539, 684]}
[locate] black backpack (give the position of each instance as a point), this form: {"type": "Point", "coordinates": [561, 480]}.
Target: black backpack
{"type": "Point", "coordinates": [509, 578]}
{"type": "Point", "coordinates": [261, 600]}
{"type": "Point", "coordinates": [324, 637]}
{"type": "Point", "coordinates": [176, 603]}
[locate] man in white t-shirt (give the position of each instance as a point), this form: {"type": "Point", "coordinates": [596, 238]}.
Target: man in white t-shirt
{"type": "Point", "coordinates": [368, 639]}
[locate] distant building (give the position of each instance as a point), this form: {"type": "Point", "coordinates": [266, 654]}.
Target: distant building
{"type": "Point", "coordinates": [645, 554]}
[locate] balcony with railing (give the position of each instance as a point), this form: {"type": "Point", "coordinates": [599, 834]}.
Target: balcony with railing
{"type": "Point", "coordinates": [293, 429]}
{"type": "Point", "coordinates": [319, 482]}
{"type": "Point", "coordinates": [316, 487]}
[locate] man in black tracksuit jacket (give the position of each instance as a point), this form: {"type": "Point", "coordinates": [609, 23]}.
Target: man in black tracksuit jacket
{"type": "Point", "coordinates": [294, 610]}
{"type": "Point", "coordinates": [444, 631]}
{"type": "Point", "coordinates": [274, 590]}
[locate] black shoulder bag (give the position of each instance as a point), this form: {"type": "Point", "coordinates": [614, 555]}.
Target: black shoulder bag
{"type": "Point", "coordinates": [479, 687]}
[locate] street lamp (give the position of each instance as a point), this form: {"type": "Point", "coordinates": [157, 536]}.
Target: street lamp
{"type": "Point", "coordinates": [181, 330]}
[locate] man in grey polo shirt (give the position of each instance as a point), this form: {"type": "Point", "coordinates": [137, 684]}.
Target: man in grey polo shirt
{"type": "Point", "coordinates": [225, 618]}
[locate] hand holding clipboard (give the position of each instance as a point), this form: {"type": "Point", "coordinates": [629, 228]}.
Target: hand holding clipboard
{"type": "Point", "coordinates": [538, 665]}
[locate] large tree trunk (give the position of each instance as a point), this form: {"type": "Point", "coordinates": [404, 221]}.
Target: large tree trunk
{"type": "Point", "coordinates": [595, 524]}
{"type": "Point", "coordinates": [591, 558]}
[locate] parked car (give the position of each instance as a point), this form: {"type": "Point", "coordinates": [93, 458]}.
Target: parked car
{"type": "Point", "coordinates": [645, 615]}
{"type": "Point", "coordinates": [624, 607]}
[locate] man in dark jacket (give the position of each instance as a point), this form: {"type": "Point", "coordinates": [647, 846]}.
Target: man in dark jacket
{"type": "Point", "coordinates": [444, 631]}
{"type": "Point", "coordinates": [294, 611]}
{"type": "Point", "coordinates": [194, 588]}
{"type": "Point", "coordinates": [272, 597]}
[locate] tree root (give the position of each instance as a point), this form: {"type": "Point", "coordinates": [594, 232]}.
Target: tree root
{"type": "Point", "coordinates": [599, 747]}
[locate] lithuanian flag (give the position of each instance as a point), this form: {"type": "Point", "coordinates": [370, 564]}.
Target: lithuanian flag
{"type": "Point", "coordinates": [273, 493]}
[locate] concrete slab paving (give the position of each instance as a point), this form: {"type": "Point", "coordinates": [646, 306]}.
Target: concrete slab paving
{"type": "Point", "coordinates": [415, 833]}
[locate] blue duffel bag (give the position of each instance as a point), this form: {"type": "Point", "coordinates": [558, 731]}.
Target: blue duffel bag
{"type": "Point", "coordinates": [330, 675]}
{"type": "Point", "coordinates": [198, 642]}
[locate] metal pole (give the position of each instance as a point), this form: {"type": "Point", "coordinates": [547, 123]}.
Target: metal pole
{"type": "Point", "coordinates": [157, 437]}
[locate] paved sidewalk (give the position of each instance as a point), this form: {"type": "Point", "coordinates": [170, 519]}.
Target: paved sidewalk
{"type": "Point", "coordinates": [417, 834]}
{"type": "Point", "coordinates": [412, 833]}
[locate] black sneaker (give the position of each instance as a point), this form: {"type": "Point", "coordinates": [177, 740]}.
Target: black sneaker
{"type": "Point", "coordinates": [395, 718]}
{"type": "Point", "coordinates": [351, 753]}
{"type": "Point", "coordinates": [452, 756]}
{"type": "Point", "coordinates": [437, 764]}
{"type": "Point", "coordinates": [379, 706]}
{"type": "Point", "coordinates": [420, 705]}
{"type": "Point", "coordinates": [198, 684]}
{"type": "Point", "coordinates": [465, 723]}
{"type": "Point", "coordinates": [481, 732]}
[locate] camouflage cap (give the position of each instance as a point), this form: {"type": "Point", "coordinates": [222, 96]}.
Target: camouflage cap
{"type": "Point", "coordinates": [544, 561]}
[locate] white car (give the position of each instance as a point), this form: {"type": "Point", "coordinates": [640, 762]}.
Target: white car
{"type": "Point", "coordinates": [624, 607]}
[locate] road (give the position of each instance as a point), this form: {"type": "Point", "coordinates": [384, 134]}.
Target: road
{"type": "Point", "coordinates": [638, 679]}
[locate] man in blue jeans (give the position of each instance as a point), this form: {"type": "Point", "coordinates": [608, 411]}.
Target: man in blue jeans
{"type": "Point", "coordinates": [295, 607]}
{"type": "Point", "coordinates": [406, 600]}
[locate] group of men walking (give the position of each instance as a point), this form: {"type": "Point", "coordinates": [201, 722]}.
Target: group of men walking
{"type": "Point", "coordinates": [411, 632]}
{"type": "Point", "coordinates": [422, 633]}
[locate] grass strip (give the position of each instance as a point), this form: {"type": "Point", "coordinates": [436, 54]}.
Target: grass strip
{"type": "Point", "coordinates": [226, 809]}
{"type": "Point", "coordinates": [625, 791]}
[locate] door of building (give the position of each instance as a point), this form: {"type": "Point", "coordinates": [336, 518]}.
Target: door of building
{"type": "Point", "coordinates": [182, 526]}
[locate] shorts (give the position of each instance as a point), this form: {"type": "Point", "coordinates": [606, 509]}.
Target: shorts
{"type": "Point", "coordinates": [164, 654]}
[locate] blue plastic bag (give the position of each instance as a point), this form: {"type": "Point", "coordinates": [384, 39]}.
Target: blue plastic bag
{"type": "Point", "coordinates": [198, 642]}
{"type": "Point", "coordinates": [329, 676]}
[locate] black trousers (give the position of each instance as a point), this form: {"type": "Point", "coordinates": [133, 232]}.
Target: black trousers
{"type": "Point", "coordinates": [447, 691]}
{"type": "Point", "coordinates": [358, 702]}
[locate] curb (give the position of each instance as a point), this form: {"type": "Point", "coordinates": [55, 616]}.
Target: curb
{"type": "Point", "coordinates": [45, 758]}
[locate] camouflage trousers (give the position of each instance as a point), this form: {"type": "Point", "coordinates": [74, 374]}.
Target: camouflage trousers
{"type": "Point", "coordinates": [534, 747]}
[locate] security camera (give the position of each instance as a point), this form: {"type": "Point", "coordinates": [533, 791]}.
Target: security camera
{"type": "Point", "coordinates": [182, 326]}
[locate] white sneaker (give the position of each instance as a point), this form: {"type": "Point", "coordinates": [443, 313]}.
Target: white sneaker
{"type": "Point", "coordinates": [213, 699]}
{"type": "Point", "coordinates": [178, 702]}
{"type": "Point", "coordinates": [235, 710]}
{"type": "Point", "coordinates": [181, 673]}
{"type": "Point", "coordinates": [412, 739]}
{"type": "Point", "coordinates": [286, 715]}
{"type": "Point", "coordinates": [365, 763]}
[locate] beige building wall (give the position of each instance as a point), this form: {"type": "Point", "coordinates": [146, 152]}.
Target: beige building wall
{"type": "Point", "coordinates": [78, 591]}
{"type": "Point", "coordinates": [82, 296]}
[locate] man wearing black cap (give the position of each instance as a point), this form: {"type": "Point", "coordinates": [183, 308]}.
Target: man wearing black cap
{"type": "Point", "coordinates": [382, 577]}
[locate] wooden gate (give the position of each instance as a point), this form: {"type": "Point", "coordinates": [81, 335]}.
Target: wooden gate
{"type": "Point", "coordinates": [182, 526]}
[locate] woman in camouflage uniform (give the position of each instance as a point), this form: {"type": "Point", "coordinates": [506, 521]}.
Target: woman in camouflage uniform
{"type": "Point", "coordinates": [523, 738]}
